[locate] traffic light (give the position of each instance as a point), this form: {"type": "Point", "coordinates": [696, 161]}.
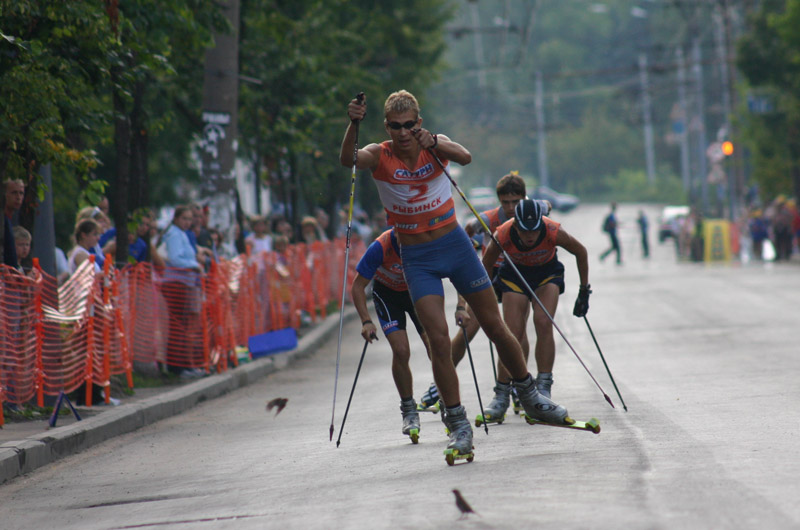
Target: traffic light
{"type": "Point", "coordinates": [727, 148]}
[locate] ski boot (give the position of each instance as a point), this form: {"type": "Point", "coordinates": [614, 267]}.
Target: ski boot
{"type": "Point", "coordinates": [538, 407]}
{"type": "Point", "coordinates": [496, 411]}
{"type": "Point", "coordinates": [460, 433]}
{"type": "Point", "coordinates": [515, 400]}
{"type": "Point", "coordinates": [410, 420]}
{"type": "Point", "coordinates": [543, 383]}
{"type": "Point", "coordinates": [429, 402]}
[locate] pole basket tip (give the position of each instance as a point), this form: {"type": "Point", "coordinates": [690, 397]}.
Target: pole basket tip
{"type": "Point", "coordinates": [331, 434]}
{"type": "Point", "coordinates": [609, 401]}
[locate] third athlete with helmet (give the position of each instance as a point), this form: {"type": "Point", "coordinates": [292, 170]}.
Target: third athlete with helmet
{"type": "Point", "coordinates": [530, 240]}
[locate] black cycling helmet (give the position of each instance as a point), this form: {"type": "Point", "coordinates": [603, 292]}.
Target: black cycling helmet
{"type": "Point", "coordinates": [528, 214]}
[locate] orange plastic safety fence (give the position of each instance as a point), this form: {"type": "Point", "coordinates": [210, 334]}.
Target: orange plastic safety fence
{"type": "Point", "coordinates": [96, 325]}
{"type": "Point", "coordinates": [17, 335]}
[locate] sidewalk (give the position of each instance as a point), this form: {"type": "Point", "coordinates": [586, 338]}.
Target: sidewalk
{"type": "Point", "coordinates": [26, 446]}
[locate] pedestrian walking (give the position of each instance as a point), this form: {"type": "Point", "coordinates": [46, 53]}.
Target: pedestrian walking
{"type": "Point", "coordinates": [610, 225]}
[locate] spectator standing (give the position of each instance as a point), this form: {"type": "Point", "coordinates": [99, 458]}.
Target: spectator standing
{"type": "Point", "coordinates": [782, 229]}
{"type": "Point", "coordinates": [610, 227]}
{"type": "Point", "coordinates": [759, 232]}
{"type": "Point", "coordinates": [323, 221]}
{"type": "Point", "coordinates": [309, 230]}
{"type": "Point", "coordinates": [643, 223]}
{"type": "Point", "coordinates": [181, 290]}
{"type": "Point", "coordinates": [15, 195]}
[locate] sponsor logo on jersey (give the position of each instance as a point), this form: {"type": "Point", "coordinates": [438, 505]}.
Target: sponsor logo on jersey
{"type": "Point", "coordinates": [389, 325]}
{"type": "Point", "coordinates": [420, 174]}
{"type": "Point", "coordinates": [406, 226]}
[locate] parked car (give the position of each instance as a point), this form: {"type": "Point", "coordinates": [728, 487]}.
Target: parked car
{"type": "Point", "coordinates": [562, 202]}
{"type": "Point", "coordinates": [669, 223]}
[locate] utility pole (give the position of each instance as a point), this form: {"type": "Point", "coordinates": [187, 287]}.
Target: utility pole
{"type": "Point", "coordinates": [684, 139]}
{"type": "Point", "coordinates": [702, 141]}
{"type": "Point", "coordinates": [473, 6]}
{"type": "Point", "coordinates": [220, 102]}
{"type": "Point", "coordinates": [647, 113]}
{"type": "Point", "coordinates": [544, 176]}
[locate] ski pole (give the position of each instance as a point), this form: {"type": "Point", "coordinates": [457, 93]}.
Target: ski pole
{"type": "Point", "coordinates": [360, 98]}
{"type": "Point", "coordinates": [604, 363]}
{"type": "Point", "coordinates": [491, 354]}
{"type": "Point", "coordinates": [358, 370]}
{"type": "Point", "coordinates": [519, 274]}
{"type": "Point", "coordinates": [475, 377]}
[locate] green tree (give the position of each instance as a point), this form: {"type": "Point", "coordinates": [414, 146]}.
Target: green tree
{"type": "Point", "coordinates": [310, 57]}
{"type": "Point", "coordinates": [769, 57]}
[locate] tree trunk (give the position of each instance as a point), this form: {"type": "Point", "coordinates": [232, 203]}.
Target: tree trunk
{"type": "Point", "coordinates": [119, 199]}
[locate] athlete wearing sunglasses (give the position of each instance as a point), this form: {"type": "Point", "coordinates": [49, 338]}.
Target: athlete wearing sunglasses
{"type": "Point", "coordinates": [415, 192]}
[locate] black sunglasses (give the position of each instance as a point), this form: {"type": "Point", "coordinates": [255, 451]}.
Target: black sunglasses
{"type": "Point", "coordinates": [397, 126]}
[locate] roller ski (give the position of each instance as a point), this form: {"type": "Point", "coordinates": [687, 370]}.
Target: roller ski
{"type": "Point", "coordinates": [429, 402]}
{"type": "Point", "coordinates": [592, 425]}
{"type": "Point", "coordinates": [410, 420]}
{"type": "Point", "coordinates": [496, 411]}
{"type": "Point", "coordinates": [460, 432]}
{"type": "Point", "coordinates": [537, 406]}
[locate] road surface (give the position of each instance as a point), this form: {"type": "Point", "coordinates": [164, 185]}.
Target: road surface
{"type": "Point", "coordinates": [705, 357]}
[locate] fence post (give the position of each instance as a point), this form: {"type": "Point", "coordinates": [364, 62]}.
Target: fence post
{"type": "Point", "coordinates": [37, 302]}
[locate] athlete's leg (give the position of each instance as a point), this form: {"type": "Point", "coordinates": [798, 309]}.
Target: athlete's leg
{"type": "Point", "coordinates": [457, 345]}
{"type": "Point", "coordinates": [515, 308]}
{"type": "Point", "coordinates": [401, 371]}
{"type": "Point", "coordinates": [545, 350]}
{"type": "Point", "coordinates": [484, 305]}
{"type": "Point", "coordinates": [430, 310]}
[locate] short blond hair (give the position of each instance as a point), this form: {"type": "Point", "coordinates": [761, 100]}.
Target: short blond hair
{"type": "Point", "coordinates": [21, 234]}
{"type": "Point", "coordinates": [400, 102]}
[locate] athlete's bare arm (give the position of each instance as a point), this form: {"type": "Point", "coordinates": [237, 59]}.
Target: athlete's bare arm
{"type": "Point", "coordinates": [360, 302]}
{"type": "Point", "coordinates": [576, 248]}
{"type": "Point", "coordinates": [490, 257]}
{"type": "Point", "coordinates": [451, 150]}
{"type": "Point", "coordinates": [369, 156]}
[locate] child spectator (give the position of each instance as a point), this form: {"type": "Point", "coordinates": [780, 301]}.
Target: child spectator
{"type": "Point", "coordinates": [260, 240]}
{"type": "Point", "coordinates": [87, 232]}
{"type": "Point", "coordinates": [22, 240]}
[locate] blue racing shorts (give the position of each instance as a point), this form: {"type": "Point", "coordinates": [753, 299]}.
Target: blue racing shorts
{"type": "Point", "coordinates": [451, 256]}
{"type": "Point", "coordinates": [391, 307]}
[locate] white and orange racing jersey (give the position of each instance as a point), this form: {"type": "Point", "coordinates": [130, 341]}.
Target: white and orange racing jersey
{"type": "Point", "coordinates": [416, 200]}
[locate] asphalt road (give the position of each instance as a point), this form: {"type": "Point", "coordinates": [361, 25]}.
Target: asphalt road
{"type": "Point", "coordinates": [705, 357]}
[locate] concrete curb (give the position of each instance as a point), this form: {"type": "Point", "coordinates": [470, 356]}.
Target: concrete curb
{"type": "Point", "coordinates": [23, 456]}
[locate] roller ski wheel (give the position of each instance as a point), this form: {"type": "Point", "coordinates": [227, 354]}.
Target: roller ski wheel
{"type": "Point", "coordinates": [592, 425]}
{"type": "Point", "coordinates": [451, 456]}
{"type": "Point", "coordinates": [414, 435]}
{"type": "Point", "coordinates": [479, 420]}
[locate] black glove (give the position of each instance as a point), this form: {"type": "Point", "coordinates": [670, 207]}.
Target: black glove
{"type": "Point", "coordinates": [582, 303]}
